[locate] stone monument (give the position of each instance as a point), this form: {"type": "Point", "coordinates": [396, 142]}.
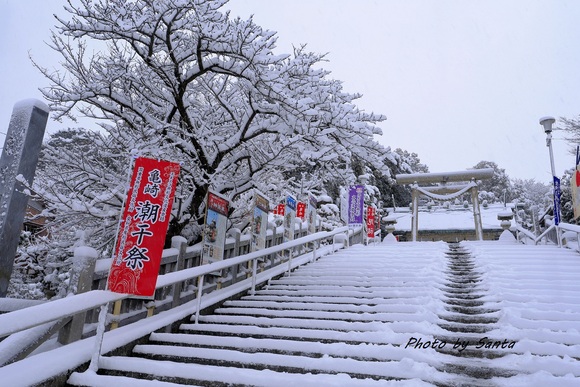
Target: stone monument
{"type": "Point", "coordinates": [17, 168]}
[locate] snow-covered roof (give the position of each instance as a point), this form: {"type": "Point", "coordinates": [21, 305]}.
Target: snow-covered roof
{"type": "Point", "coordinates": [449, 219]}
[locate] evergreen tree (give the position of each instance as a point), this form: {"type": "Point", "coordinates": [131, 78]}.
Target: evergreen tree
{"type": "Point", "coordinates": [494, 189]}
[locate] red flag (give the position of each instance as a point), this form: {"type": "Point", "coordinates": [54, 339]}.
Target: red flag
{"type": "Point", "coordinates": [281, 209]}
{"type": "Point", "coordinates": [301, 210]}
{"type": "Point", "coordinates": [370, 222]}
{"type": "Point", "coordinates": [143, 227]}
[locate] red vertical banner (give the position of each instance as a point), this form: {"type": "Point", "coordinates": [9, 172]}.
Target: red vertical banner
{"type": "Point", "coordinates": [143, 227]}
{"type": "Point", "coordinates": [370, 222]}
{"type": "Point", "coordinates": [574, 184]}
{"type": "Point", "coordinates": [301, 210]}
{"type": "Point", "coordinates": [281, 209]}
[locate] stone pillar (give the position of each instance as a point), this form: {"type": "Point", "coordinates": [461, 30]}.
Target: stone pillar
{"type": "Point", "coordinates": [81, 281]}
{"type": "Point", "coordinates": [476, 214]}
{"type": "Point", "coordinates": [180, 244]}
{"type": "Point", "coordinates": [415, 217]}
{"type": "Point", "coordinates": [18, 164]}
{"type": "Point", "coordinates": [236, 234]}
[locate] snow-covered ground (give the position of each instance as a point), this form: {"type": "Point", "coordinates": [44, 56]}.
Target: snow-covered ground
{"type": "Point", "coordinates": [412, 314]}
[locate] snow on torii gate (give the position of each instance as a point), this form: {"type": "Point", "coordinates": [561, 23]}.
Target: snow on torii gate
{"type": "Point", "coordinates": [443, 191]}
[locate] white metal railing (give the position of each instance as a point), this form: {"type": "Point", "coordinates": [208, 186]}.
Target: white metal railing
{"type": "Point", "coordinates": [558, 234]}
{"type": "Point", "coordinates": [54, 311]}
{"type": "Point", "coordinates": [567, 228]}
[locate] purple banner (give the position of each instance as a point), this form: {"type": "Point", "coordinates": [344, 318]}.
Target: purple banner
{"type": "Point", "coordinates": [356, 195]}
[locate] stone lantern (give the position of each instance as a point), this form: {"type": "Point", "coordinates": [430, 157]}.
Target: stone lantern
{"type": "Point", "coordinates": [390, 222]}
{"type": "Point", "coordinates": [363, 179]}
{"type": "Point", "coordinates": [505, 218]}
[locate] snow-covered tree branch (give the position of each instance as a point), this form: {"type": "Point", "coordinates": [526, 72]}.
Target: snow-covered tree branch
{"type": "Point", "coordinates": [181, 80]}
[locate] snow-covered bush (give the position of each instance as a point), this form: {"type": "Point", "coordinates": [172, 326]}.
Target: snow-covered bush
{"type": "Point", "coordinates": [41, 269]}
{"type": "Point", "coordinates": [485, 196]}
{"type": "Point", "coordinates": [328, 212]}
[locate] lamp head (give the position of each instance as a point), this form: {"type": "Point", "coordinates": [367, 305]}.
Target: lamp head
{"type": "Point", "coordinates": [547, 123]}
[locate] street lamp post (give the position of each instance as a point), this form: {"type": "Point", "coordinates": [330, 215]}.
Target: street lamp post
{"type": "Point", "coordinates": [547, 123]}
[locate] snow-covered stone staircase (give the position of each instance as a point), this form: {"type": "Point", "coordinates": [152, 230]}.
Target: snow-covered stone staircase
{"type": "Point", "coordinates": [466, 320]}
{"type": "Point", "coordinates": [388, 314]}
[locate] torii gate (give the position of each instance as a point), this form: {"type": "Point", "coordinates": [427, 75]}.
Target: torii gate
{"type": "Point", "coordinates": [445, 192]}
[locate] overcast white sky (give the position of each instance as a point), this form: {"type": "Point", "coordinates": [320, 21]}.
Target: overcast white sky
{"type": "Point", "coordinates": [459, 81]}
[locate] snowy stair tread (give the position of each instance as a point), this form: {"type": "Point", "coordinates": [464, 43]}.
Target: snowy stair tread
{"type": "Point", "coordinates": [215, 375]}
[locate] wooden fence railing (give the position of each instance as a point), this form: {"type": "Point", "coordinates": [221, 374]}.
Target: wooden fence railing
{"type": "Point", "coordinates": [562, 235]}
{"type": "Point", "coordinates": [182, 282]}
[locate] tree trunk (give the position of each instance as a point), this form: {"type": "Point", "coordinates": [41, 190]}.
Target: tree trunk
{"type": "Point", "coordinates": [176, 227]}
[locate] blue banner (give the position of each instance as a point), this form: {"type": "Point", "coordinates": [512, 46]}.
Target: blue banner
{"type": "Point", "coordinates": [557, 194]}
{"type": "Point", "coordinates": [291, 203]}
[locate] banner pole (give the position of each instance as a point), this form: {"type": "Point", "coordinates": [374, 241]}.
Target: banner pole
{"type": "Point", "coordinates": [198, 296]}
{"type": "Point", "coordinates": [291, 251]}
{"type": "Point", "coordinates": [254, 273]}
{"type": "Point", "coordinates": [99, 336]}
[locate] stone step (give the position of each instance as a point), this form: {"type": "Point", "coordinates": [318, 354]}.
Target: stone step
{"type": "Point", "coordinates": [346, 300]}
{"type": "Point", "coordinates": [386, 293]}
{"type": "Point", "coordinates": [328, 315]}
{"type": "Point", "coordinates": [289, 305]}
{"type": "Point", "coordinates": [346, 281]}
{"type": "Point", "coordinates": [466, 328]}
{"type": "Point", "coordinates": [120, 380]}
{"type": "Point", "coordinates": [303, 334]}
{"type": "Point", "coordinates": [469, 310]}
{"type": "Point", "coordinates": [297, 346]}
{"type": "Point", "coordinates": [293, 322]}
{"type": "Point", "coordinates": [479, 318]}
{"type": "Point", "coordinates": [141, 370]}
{"type": "Point", "coordinates": [395, 285]}
{"type": "Point", "coordinates": [294, 362]}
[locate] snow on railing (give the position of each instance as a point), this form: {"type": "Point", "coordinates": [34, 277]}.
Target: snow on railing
{"type": "Point", "coordinates": [527, 233]}
{"type": "Point", "coordinates": [570, 232]}
{"type": "Point", "coordinates": [61, 309]}
{"type": "Point", "coordinates": [563, 235]}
